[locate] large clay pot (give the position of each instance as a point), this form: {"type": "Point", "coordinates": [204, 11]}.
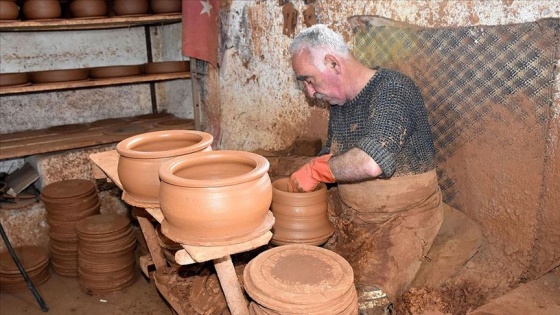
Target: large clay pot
{"type": "Point", "coordinates": [215, 198]}
{"type": "Point", "coordinates": [88, 8]}
{"type": "Point", "coordinates": [42, 9]}
{"type": "Point", "coordinates": [9, 10]}
{"type": "Point", "coordinates": [300, 218]}
{"type": "Point", "coordinates": [142, 155]}
{"type": "Point", "coordinates": [131, 7]}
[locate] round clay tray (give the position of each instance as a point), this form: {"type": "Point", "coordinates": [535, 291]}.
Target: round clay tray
{"type": "Point", "coordinates": [102, 224]}
{"type": "Point", "coordinates": [31, 258]}
{"type": "Point", "coordinates": [166, 67]}
{"type": "Point", "coordinates": [297, 275]}
{"type": "Point", "coordinates": [69, 188]}
{"type": "Point", "coordinates": [52, 76]}
{"type": "Point", "coordinates": [11, 79]}
{"type": "Point", "coordinates": [115, 71]}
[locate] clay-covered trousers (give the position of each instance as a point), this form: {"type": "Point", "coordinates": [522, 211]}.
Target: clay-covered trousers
{"type": "Point", "coordinates": [385, 227]}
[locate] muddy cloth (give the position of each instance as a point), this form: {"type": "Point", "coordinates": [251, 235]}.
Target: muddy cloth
{"type": "Point", "coordinates": [385, 227]}
{"type": "Point", "coordinates": [388, 121]}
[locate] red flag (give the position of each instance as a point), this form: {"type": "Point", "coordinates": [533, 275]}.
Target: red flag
{"type": "Point", "coordinates": [200, 29]}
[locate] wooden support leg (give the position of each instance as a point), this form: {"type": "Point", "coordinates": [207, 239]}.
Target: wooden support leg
{"type": "Point", "coordinates": [151, 240]}
{"type": "Point", "coordinates": [230, 285]}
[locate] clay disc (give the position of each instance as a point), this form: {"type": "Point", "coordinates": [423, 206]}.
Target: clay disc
{"type": "Point", "coordinates": [102, 224]}
{"type": "Point", "coordinates": [69, 188]}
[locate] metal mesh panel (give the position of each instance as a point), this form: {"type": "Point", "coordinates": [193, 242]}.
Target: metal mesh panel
{"type": "Point", "coordinates": [466, 73]}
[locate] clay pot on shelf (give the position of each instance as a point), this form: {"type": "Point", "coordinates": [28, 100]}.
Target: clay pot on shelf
{"type": "Point", "coordinates": [88, 8]}
{"type": "Point", "coordinates": [15, 78]}
{"type": "Point", "coordinates": [9, 10]}
{"type": "Point", "coordinates": [165, 6]}
{"type": "Point", "coordinates": [141, 156]}
{"type": "Point", "coordinates": [42, 9]}
{"type": "Point", "coordinates": [215, 198]}
{"type": "Point", "coordinates": [166, 67]}
{"type": "Point", "coordinates": [131, 7]}
{"type": "Point", "coordinates": [115, 71]}
{"type": "Point", "coordinates": [301, 218]}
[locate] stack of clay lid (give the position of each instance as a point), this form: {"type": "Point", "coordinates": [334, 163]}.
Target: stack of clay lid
{"type": "Point", "coordinates": [67, 202]}
{"type": "Point", "coordinates": [301, 279]}
{"type": "Point", "coordinates": [35, 261]}
{"type": "Point", "coordinates": [106, 253]}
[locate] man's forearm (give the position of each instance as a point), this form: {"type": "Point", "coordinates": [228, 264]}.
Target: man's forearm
{"type": "Point", "coordinates": [354, 165]}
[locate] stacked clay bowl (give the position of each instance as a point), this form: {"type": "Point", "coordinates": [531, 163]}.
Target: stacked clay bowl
{"type": "Point", "coordinates": [88, 9]}
{"type": "Point", "coordinates": [106, 253]}
{"type": "Point", "coordinates": [131, 7]}
{"type": "Point", "coordinates": [300, 218]}
{"type": "Point", "coordinates": [67, 202]}
{"type": "Point", "coordinates": [215, 198]}
{"type": "Point", "coordinates": [300, 279]}
{"type": "Point", "coordinates": [115, 71]}
{"type": "Point", "coordinates": [35, 261]}
{"type": "Point", "coordinates": [41, 9]}
{"type": "Point", "coordinates": [165, 6]}
{"type": "Point", "coordinates": [55, 76]}
{"type": "Point", "coordinates": [141, 156]}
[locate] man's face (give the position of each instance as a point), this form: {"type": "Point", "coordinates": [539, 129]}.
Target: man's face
{"type": "Point", "coordinates": [319, 79]}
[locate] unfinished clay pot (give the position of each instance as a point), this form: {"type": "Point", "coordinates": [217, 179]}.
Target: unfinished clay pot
{"type": "Point", "coordinates": [142, 155]}
{"type": "Point", "coordinates": [115, 71]}
{"type": "Point", "coordinates": [88, 8]}
{"type": "Point", "coordinates": [41, 9]}
{"type": "Point", "coordinates": [301, 279]}
{"type": "Point", "coordinates": [14, 78]}
{"type": "Point", "coordinates": [9, 11]}
{"type": "Point", "coordinates": [166, 67]}
{"type": "Point", "coordinates": [62, 75]}
{"type": "Point", "coordinates": [301, 218]}
{"type": "Point", "coordinates": [215, 198]}
{"type": "Point", "coordinates": [131, 7]}
{"type": "Point", "coordinates": [165, 6]}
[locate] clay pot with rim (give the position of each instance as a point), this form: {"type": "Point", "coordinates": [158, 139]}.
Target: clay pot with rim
{"type": "Point", "coordinates": [88, 8]}
{"type": "Point", "coordinates": [215, 198]}
{"type": "Point", "coordinates": [42, 9]}
{"type": "Point", "coordinates": [131, 7]}
{"type": "Point", "coordinates": [141, 156]}
{"type": "Point", "coordinates": [300, 218]}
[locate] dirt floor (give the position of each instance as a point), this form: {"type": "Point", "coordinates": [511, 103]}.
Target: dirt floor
{"type": "Point", "coordinates": [64, 296]}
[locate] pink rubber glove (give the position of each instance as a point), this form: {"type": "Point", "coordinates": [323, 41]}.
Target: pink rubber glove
{"type": "Point", "coordinates": [311, 174]}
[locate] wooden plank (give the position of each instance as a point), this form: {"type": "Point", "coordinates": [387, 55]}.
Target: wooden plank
{"type": "Point", "coordinates": [108, 161]}
{"type": "Point", "coordinates": [45, 87]}
{"type": "Point", "coordinates": [88, 24]}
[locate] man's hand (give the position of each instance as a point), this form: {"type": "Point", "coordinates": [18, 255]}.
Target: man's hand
{"type": "Point", "coordinates": [311, 174]}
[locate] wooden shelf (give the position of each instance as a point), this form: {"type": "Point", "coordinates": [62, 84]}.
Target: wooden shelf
{"type": "Point", "coordinates": [43, 87]}
{"type": "Point", "coordinates": [59, 138]}
{"type": "Point", "coordinates": [89, 24]}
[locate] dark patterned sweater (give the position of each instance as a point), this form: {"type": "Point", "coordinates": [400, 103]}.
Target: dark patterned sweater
{"type": "Point", "coordinates": [388, 121]}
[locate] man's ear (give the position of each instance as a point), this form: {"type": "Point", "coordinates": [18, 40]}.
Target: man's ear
{"type": "Point", "coordinates": [332, 62]}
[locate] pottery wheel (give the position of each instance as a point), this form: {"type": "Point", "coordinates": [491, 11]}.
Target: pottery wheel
{"type": "Point", "coordinates": [298, 275]}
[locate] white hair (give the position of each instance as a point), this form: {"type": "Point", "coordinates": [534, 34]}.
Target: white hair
{"type": "Point", "coordinates": [319, 36]}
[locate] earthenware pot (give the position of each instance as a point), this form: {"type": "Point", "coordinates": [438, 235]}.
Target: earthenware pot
{"type": "Point", "coordinates": [63, 75]}
{"type": "Point", "coordinates": [141, 156]}
{"type": "Point", "coordinates": [131, 7]}
{"type": "Point", "coordinates": [165, 6]}
{"type": "Point", "coordinates": [41, 9]}
{"type": "Point", "coordinates": [301, 218]}
{"type": "Point", "coordinates": [9, 10]}
{"type": "Point", "coordinates": [215, 198]}
{"type": "Point", "coordinates": [115, 71]}
{"type": "Point", "coordinates": [88, 8]}
{"type": "Point", "coordinates": [166, 67]}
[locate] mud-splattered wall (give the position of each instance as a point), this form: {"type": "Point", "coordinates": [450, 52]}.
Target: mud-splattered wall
{"type": "Point", "coordinates": [255, 105]}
